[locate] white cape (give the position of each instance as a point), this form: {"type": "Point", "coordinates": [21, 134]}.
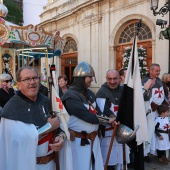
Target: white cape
{"type": "Point", "coordinates": [18, 145]}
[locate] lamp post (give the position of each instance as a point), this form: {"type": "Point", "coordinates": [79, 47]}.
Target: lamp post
{"type": "Point", "coordinates": [162, 11]}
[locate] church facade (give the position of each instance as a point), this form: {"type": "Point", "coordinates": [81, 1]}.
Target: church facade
{"type": "Point", "coordinates": [100, 31]}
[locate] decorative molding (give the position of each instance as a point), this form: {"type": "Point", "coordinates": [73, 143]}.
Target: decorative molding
{"type": "Point", "coordinates": [30, 35]}
{"type": "Point", "coordinates": [114, 36]}
{"type": "Point", "coordinates": [3, 10]}
{"type": "Point", "coordinates": [4, 32]}
{"type": "Point", "coordinates": [92, 18]}
{"type": "Point", "coordinates": [72, 36]}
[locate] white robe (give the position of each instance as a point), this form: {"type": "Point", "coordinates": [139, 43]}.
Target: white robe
{"type": "Point", "coordinates": [157, 96]}
{"type": "Point", "coordinates": [116, 155]}
{"type": "Point", "coordinates": [164, 125]}
{"type": "Point", "coordinates": [18, 146]}
{"type": "Point", "coordinates": [81, 155]}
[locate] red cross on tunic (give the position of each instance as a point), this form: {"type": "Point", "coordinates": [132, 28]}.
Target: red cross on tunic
{"type": "Point", "coordinates": [166, 127]}
{"type": "Point", "coordinates": [60, 103]}
{"type": "Point", "coordinates": [92, 110]}
{"type": "Point", "coordinates": [159, 92]}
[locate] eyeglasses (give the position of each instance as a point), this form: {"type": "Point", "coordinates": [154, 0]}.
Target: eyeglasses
{"type": "Point", "coordinates": [7, 81]}
{"type": "Point", "coordinates": [28, 80]}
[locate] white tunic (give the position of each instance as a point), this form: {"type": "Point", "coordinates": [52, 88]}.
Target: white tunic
{"type": "Point", "coordinates": [18, 146]}
{"type": "Point", "coordinates": [81, 155]}
{"type": "Point", "coordinates": [164, 125]}
{"type": "Point", "coordinates": [116, 155]}
{"type": "Point", "coordinates": [157, 96]}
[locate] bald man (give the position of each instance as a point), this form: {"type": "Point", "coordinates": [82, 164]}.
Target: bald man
{"type": "Point", "coordinates": [108, 99]}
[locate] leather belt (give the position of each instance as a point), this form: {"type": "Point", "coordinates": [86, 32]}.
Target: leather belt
{"type": "Point", "coordinates": [82, 135]}
{"type": "Point", "coordinates": [110, 128]}
{"type": "Point", "coordinates": [162, 131]}
{"type": "Point", "coordinates": [90, 136]}
{"type": "Point", "coordinates": [45, 159]}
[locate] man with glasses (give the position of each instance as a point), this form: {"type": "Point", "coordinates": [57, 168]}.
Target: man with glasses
{"type": "Point", "coordinates": [20, 118]}
{"type": "Point", "coordinates": [6, 90]}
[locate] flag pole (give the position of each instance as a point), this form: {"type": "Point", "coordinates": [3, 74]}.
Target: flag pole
{"type": "Point", "coordinates": [124, 145]}
{"type": "Point", "coordinates": [138, 26]}
{"type": "Point", "coordinates": [53, 113]}
{"type": "Point", "coordinates": [124, 156]}
{"type": "Point", "coordinates": [139, 157]}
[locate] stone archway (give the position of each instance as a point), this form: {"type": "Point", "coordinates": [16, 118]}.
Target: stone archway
{"type": "Point", "coordinates": [119, 46]}
{"type": "Point", "coordinates": [116, 31]}
{"type": "Point", "coordinates": [69, 58]}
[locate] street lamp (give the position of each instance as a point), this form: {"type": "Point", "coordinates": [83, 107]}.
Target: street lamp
{"type": "Point", "coordinates": [162, 11]}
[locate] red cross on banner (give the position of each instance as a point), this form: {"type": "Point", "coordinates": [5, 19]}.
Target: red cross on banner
{"type": "Point", "coordinates": [159, 92]}
{"type": "Point", "coordinates": [116, 107]}
{"type": "Point", "coordinates": [60, 103]}
{"type": "Point", "coordinates": [166, 126]}
{"type": "Point", "coordinates": [47, 138]}
{"type": "Point", "coordinates": [92, 110]}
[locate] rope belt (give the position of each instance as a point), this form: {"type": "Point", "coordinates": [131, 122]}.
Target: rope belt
{"type": "Point", "coordinates": [45, 159]}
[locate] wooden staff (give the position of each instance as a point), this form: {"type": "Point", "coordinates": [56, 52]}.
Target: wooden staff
{"type": "Point", "coordinates": [124, 156]}
{"type": "Point", "coordinates": [110, 147]}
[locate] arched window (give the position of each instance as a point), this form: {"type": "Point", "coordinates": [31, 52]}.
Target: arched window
{"type": "Point", "coordinates": [130, 30]}
{"type": "Point", "coordinates": [70, 45]}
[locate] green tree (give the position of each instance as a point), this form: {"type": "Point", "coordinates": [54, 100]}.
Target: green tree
{"type": "Point", "coordinates": [15, 14]}
{"type": "Point", "coordinates": [142, 59]}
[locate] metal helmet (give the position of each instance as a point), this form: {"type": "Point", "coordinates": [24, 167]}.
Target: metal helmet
{"type": "Point", "coordinates": [124, 134]}
{"type": "Point", "coordinates": [84, 69]}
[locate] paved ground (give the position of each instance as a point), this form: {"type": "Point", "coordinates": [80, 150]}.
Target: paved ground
{"type": "Point", "coordinates": [155, 165]}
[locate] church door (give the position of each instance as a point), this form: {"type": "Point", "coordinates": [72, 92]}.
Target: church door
{"type": "Point", "coordinates": [69, 59]}
{"type": "Point", "coordinates": [126, 40]}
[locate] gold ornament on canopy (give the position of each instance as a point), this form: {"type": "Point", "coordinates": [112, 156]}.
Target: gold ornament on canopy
{"type": "Point", "coordinates": [3, 10]}
{"type": "Point", "coordinates": [4, 32]}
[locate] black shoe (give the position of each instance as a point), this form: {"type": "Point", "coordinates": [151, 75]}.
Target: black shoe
{"type": "Point", "coordinates": [147, 159]}
{"type": "Point", "coordinates": [130, 165]}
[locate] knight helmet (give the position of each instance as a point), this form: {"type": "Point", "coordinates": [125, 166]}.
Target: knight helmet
{"type": "Point", "coordinates": [84, 69]}
{"type": "Point", "coordinates": [124, 134]}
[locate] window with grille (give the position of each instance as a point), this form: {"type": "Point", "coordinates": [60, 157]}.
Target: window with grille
{"type": "Point", "coordinates": [129, 32]}
{"type": "Point", "coordinates": [70, 46]}
{"type": "Point", "coordinates": [72, 60]}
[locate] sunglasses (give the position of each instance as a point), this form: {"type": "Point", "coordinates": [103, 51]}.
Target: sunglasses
{"type": "Point", "coordinates": [7, 81]}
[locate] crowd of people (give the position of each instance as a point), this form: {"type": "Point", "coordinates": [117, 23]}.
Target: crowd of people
{"type": "Point", "coordinates": [25, 111]}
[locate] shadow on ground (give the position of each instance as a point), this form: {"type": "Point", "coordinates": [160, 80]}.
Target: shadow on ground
{"type": "Point", "coordinates": [155, 165]}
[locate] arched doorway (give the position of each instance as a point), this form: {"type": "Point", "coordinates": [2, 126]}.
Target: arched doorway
{"type": "Point", "coordinates": [126, 37]}
{"type": "Point", "coordinates": [69, 59]}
